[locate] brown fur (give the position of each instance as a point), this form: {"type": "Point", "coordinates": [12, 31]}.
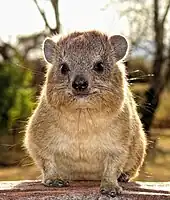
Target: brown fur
{"type": "Point", "coordinates": [98, 137]}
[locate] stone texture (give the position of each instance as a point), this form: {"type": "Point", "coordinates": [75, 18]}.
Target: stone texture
{"type": "Point", "coordinates": [82, 190]}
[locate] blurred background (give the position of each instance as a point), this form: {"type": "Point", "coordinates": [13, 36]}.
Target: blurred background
{"type": "Point", "coordinates": [23, 27]}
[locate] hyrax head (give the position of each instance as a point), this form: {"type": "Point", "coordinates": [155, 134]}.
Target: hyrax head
{"type": "Point", "coordinates": [83, 73]}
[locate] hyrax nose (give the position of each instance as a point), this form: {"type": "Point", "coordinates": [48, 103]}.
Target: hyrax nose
{"type": "Point", "coordinates": [80, 83]}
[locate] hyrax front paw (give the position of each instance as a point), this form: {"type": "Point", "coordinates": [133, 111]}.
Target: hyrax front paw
{"type": "Point", "coordinates": [110, 189]}
{"type": "Point", "coordinates": [55, 183]}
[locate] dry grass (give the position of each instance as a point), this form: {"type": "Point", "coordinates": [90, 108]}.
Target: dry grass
{"type": "Point", "coordinates": [164, 107]}
{"type": "Point", "coordinates": [19, 173]}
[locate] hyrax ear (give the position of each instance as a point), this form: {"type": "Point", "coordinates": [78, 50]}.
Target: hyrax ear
{"type": "Point", "coordinates": [119, 45]}
{"type": "Point", "coordinates": [49, 50]}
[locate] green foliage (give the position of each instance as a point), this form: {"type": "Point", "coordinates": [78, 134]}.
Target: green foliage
{"type": "Point", "coordinates": [16, 93]}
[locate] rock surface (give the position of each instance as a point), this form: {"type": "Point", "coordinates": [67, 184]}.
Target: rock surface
{"type": "Point", "coordinates": [82, 190]}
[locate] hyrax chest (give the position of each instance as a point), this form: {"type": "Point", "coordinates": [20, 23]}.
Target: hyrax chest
{"type": "Point", "coordinates": [83, 148]}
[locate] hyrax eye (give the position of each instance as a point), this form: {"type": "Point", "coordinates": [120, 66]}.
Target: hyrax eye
{"type": "Point", "coordinates": [64, 68]}
{"type": "Point", "coordinates": [98, 67]}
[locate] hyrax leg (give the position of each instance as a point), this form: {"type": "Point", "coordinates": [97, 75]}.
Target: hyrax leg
{"type": "Point", "coordinates": [51, 177]}
{"type": "Point", "coordinates": [112, 170]}
{"type": "Point", "coordinates": [134, 161]}
{"type": "Point", "coordinates": [50, 173]}
{"type": "Point", "coordinates": [129, 174]}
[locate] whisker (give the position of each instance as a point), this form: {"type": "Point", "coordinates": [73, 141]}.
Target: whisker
{"type": "Point", "coordinates": [32, 70]}
{"type": "Point", "coordinates": [103, 88]}
{"type": "Point", "coordinates": [78, 124]}
{"type": "Point", "coordinates": [106, 101]}
{"type": "Point", "coordinates": [90, 116]}
{"type": "Point", "coordinates": [86, 120]}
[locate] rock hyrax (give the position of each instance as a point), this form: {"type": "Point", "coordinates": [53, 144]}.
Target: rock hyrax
{"type": "Point", "coordinates": [86, 126]}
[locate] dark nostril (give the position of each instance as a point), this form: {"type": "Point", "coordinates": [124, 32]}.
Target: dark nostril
{"type": "Point", "coordinates": [80, 83]}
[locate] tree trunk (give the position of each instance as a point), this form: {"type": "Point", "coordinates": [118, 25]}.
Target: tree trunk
{"type": "Point", "coordinates": [157, 83]}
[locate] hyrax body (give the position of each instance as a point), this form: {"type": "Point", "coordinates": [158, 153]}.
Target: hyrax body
{"type": "Point", "coordinates": [86, 126]}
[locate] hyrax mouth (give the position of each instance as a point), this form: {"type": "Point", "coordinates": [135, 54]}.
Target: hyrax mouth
{"type": "Point", "coordinates": [83, 95]}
